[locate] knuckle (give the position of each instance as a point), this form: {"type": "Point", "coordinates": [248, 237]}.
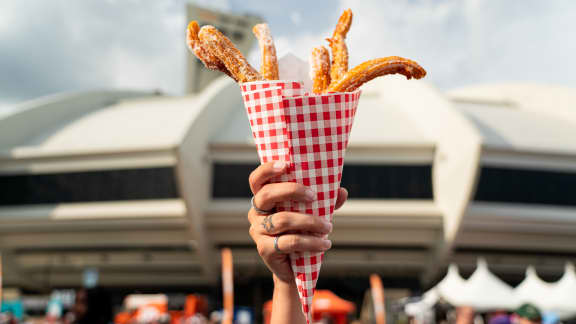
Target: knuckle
{"type": "Point", "coordinates": [252, 216]}
{"type": "Point", "coordinates": [261, 250]}
{"type": "Point", "coordinates": [314, 222]}
{"type": "Point", "coordinates": [294, 242]}
{"type": "Point", "coordinates": [252, 178]}
{"type": "Point", "coordinates": [281, 221]}
{"type": "Point", "coordinates": [263, 195]}
{"type": "Point", "coordinates": [295, 188]}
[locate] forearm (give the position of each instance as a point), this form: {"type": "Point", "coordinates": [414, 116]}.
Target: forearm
{"type": "Point", "coordinates": [286, 307]}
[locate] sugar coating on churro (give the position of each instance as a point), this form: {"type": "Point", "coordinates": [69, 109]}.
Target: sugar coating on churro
{"type": "Point", "coordinates": [344, 23]}
{"type": "Point", "coordinates": [339, 57]}
{"type": "Point", "coordinates": [232, 58]}
{"type": "Point", "coordinates": [320, 69]}
{"type": "Point", "coordinates": [195, 46]}
{"type": "Point", "coordinates": [328, 74]}
{"type": "Point", "coordinates": [369, 70]}
{"type": "Point", "coordinates": [269, 62]}
{"type": "Point", "coordinates": [338, 46]}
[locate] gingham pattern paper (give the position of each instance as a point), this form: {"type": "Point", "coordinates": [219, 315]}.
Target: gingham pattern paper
{"type": "Point", "coordinates": [310, 132]}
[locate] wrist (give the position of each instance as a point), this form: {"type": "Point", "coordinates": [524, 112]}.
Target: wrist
{"type": "Point", "coordinates": [283, 283]}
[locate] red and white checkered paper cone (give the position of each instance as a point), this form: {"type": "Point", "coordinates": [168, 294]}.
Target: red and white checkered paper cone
{"type": "Point", "coordinates": [310, 132]}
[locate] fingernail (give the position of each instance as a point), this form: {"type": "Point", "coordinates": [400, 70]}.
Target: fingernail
{"type": "Point", "coordinates": [279, 165]}
{"type": "Point", "coordinates": [327, 244]}
{"type": "Point", "coordinates": [310, 195]}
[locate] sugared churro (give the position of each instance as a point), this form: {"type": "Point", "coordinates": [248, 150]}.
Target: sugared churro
{"type": "Point", "coordinates": [269, 62]}
{"type": "Point", "coordinates": [338, 46]}
{"type": "Point", "coordinates": [220, 46]}
{"type": "Point", "coordinates": [195, 46]}
{"type": "Point", "coordinates": [218, 53]}
{"type": "Point", "coordinates": [369, 70]}
{"type": "Point", "coordinates": [320, 69]}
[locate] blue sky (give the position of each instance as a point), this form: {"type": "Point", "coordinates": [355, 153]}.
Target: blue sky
{"type": "Point", "coordinates": [68, 45]}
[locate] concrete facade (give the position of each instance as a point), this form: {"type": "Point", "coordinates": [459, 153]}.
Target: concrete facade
{"type": "Point", "coordinates": [462, 141]}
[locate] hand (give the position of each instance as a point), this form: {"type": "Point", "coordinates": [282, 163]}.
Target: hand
{"type": "Point", "coordinates": [289, 225]}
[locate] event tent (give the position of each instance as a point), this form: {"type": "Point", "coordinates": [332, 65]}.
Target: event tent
{"type": "Point", "coordinates": [483, 291]}
{"type": "Point", "coordinates": [534, 290]}
{"type": "Point", "coordinates": [562, 300]}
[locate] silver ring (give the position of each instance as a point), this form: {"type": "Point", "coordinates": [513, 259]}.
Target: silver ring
{"type": "Point", "coordinates": [276, 244]}
{"type": "Point", "coordinates": [258, 210]}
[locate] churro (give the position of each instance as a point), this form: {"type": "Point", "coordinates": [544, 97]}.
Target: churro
{"type": "Point", "coordinates": [269, 62]}
{"type": "Point", "coordinates": [369, 70]}
{"type": "Point", "coordinates": [320, 69]}
{"type": "Point", "coordinates": [220, 46]}
{"type": "Point", "coordinates": [217, 52]}
{"type": "Point", "coordinates": [338, 46]}
{"type": "Point", "coordinates": [195, 46]}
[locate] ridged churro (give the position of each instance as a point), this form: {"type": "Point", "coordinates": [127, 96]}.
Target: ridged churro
{"type": "Point", "coordinates": [195, 46]}
{"type": "Point", "coordinates": [217, 52]}
{"type": "Point", "coordinates": [269, 62]}
{"type": "Point", "coordinates": [320, 69]}
{"type": "Point", "coordinates": [338, 46]}
{"type": "Point", "coordinates": [369, 70]}
{"type": "Point", "coordinates": [220, 46]}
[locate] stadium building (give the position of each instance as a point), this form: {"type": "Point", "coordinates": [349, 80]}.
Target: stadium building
{"type": "Point", "coordinates": [146, 188]}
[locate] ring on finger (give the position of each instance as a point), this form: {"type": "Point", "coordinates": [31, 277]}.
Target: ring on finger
{"type": "Point", "coordinates": [276, 248]}
{"type": "Point", "coordinates": [258, 210]}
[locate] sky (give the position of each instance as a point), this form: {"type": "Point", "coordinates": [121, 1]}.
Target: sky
{"type": "Point", "coordinates": [48, 47]}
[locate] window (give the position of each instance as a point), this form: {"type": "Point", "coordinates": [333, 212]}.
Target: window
{"type": "Point", "coordinates": [105, 185]}
{"type": "Point", "coordinates": [362, 181]}
{"type": "Point", "coordinates": [526, 186]}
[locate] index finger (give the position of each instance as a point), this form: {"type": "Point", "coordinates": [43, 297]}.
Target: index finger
{"type": "Point", "coordinates": [264, 173]}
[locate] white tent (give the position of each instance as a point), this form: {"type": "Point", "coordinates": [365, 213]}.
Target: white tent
{"type": "Point", "coordinates": [562, 299]}
{"type": "Point", "coordinates": [451, 287]}
{"type": "Point", "coordinates": [447, 289]}
{"type": "Point", "coordinates": [484, 291]}
{"type": "Point", "coordinates": [423, 310]}
{"type": "Point", "coordinates": [534, 290]}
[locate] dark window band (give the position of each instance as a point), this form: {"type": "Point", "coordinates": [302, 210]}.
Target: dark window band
{"type": "Point", "coordinates": [526, 186]}
{"type": "Point", "coordinates": [106, 185]}
{"type": "Point", "coordinates": [362, 181]}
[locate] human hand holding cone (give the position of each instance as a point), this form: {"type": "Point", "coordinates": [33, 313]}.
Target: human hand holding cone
{"type": "Point", "coordinates": [310, 133]}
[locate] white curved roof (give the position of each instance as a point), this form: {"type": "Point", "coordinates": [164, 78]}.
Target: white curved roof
{"type": "Point", "coordinates": [521, 117]}
{"type": "Point", "coordinates": [142, 123]}
{"type": "Point", "coordinates": [527, 96]}
{"type": "Point", "coordinates": [129, 124]}
{"type": "Point", "coordinates": [509, 128]}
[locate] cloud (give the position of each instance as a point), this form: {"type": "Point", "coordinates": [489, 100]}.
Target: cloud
{"type": "Point", "coordinates": [60, 45]}
{"type": "Point", "coordinates": [469, 41]}
{"type": "Point", "coordinates": [296, 17]}
{"type": "Point", "coordinates": [459, 42]}
{"type": "Point", "coordinates": [77, 45]}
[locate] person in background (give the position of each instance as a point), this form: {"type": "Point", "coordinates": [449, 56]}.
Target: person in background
{"type": "Point", "coordinates": [92, 306]}
{"type": "Point", "coordinates": [464, 315]}
{"type": "Point", "coordinates": [277, 234]}
{"type": "Point", "coordinates": [500, 319]}
{"type": "Point", "coordinates": [528, 314]}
